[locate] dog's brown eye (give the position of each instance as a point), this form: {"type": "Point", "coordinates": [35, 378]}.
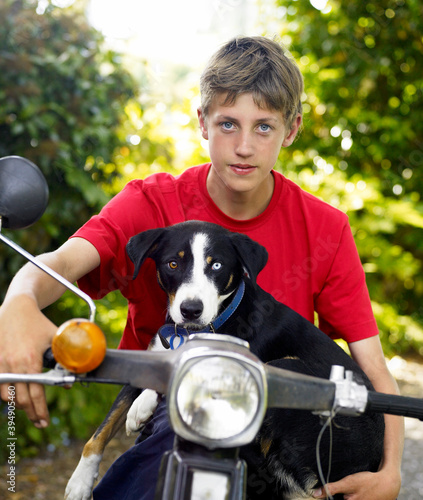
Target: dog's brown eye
{"type": "Point", "coordinates": [173, 264]}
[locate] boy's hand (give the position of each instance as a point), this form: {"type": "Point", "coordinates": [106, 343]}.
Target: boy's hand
{"type": "Point", "coordinates": [25, 333]}
{"type": "Point", "coordinates": [381, 485]}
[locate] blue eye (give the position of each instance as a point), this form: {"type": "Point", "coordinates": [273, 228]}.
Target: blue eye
{"type": "Point", "coordinates": [216, 266]}
{"type": "Point", "coordinates": [264, 127]}
{"type": "Point", "coordinates": [227, 125]}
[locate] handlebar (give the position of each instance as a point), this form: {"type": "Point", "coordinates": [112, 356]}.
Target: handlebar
{"type": "Point", "coordinates": [395, 405]}
{"type": "Point", "coordinates": [285, 389]}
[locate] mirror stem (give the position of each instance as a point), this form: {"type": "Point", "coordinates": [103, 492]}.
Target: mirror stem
{"type": "Point", "coordinates": [86, 298]}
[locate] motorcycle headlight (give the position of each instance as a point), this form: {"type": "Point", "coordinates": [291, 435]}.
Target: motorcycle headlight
{"type": "Point", "coordinates": [218, 400]}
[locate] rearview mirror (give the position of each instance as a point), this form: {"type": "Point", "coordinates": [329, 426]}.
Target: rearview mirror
{"type": "Point", "coordinates": [23, 192]}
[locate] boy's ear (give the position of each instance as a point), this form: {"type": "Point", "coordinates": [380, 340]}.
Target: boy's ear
{"type": "Point", "coordinates": [289, 139]}
{"type": "Point", "coordinates": [203, 124]}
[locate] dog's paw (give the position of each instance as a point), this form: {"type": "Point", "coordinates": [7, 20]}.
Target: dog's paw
{"type": "Point", "coordinates": [80, 485]}
{"type": "Point", "coordinates": [141, 411]}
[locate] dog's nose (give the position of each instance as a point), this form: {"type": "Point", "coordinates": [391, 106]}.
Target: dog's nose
{"type": "Point", "coordinates": [191, 309]}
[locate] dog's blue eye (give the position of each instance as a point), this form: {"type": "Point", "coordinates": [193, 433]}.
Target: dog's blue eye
{"type": "Point", "coordinates": [216, 266]}
{"type": "Point", "coordinates": [172, 264]}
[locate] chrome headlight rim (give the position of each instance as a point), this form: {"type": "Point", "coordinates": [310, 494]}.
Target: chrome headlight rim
{"type": "Point", "coordinates": [247, 434]}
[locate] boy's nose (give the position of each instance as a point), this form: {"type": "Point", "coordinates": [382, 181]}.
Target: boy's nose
{"type": "Point", "coordinates": [244, 146]}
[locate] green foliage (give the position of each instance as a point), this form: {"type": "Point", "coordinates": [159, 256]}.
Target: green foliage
{"type": "Point", "coordinates": [362, 144]}
{"type": "Point", "coordinates": [61, 101]}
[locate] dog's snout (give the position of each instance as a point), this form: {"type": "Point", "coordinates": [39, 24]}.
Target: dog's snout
{"type": "Point", "coordinates": [191, 309]}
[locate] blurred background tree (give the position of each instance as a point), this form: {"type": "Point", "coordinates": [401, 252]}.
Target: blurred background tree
{"type": "Point", "coordinates": [69, 103]}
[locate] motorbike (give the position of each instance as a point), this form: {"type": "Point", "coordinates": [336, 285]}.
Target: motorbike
{"type": "Point", "coordinates": [217, 391]}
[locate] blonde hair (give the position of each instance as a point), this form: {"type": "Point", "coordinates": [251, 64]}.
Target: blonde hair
{"type": "Point", "coordinates": [255, 65]}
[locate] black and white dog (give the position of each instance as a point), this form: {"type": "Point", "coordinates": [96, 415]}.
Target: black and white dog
{"type": "Point", "coordinates": [204, 269]}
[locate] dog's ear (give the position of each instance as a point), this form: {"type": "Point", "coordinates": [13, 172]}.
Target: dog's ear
{"type": "Point", "coordinates": [252, 255]}
{"type": "Point", "coordinates": [142, 246]}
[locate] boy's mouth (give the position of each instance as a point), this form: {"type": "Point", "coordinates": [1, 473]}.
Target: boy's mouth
{"type": "Point", "coordinates": [242, 169]}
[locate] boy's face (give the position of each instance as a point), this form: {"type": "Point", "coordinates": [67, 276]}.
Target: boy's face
{"type": "Point", "coordinates": [244, 142]}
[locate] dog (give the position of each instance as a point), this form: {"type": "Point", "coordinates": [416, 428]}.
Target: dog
{"type": "Point", "coordinates": [204, 269]}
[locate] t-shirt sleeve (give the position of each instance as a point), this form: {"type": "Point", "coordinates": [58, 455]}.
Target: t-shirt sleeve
{"type": "Point", "coordinates": [109, 231]}
{"type": "Point", "coordinates": [343, 305]}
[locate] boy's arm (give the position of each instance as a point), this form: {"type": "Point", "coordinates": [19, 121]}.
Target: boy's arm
{"type": "Point", "coordinates": [386, 483]}
{"type": "Point", "coordinates": [25, 333]}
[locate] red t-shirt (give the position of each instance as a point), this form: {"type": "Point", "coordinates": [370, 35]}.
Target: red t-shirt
{"type": "Point", "coordinates": [313, 261]}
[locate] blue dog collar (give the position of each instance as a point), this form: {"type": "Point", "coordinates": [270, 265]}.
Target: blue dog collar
{"type": "Point", "coordinates": [172, 332]}
{"type": "Point", "coordinates": [227, 313]}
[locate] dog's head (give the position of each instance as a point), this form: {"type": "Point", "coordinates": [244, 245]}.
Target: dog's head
{"type": "Point", "coordinates": [199, 265]}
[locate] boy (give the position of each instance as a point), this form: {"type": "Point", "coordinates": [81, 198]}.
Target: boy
{"type": "Point", "coordinates": [251, 107]}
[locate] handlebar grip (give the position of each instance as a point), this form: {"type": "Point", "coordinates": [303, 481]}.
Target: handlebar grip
{"type": "Point", "coordinates": [48, 359]}
{"type": "Point", "coordinates": [395, 405]}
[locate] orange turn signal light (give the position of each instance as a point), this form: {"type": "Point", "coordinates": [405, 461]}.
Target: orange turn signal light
{"type": "Point", "coordinates": [79, 345]}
